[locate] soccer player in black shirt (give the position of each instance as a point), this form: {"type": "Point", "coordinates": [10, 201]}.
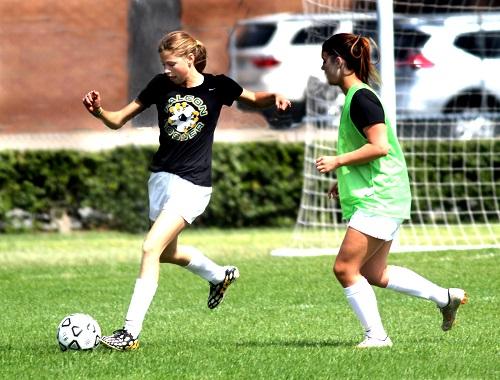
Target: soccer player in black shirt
{"type": "Point", "coordinates": [188, 102]}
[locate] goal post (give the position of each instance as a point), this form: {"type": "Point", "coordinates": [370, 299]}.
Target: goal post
{"type": "Point", "coordinates": [451, 150]}
{"type": "Point", "coordinates": [385, 28]}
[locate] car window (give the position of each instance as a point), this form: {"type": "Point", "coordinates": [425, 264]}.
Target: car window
{"type": "Point", "coordinates": [482, 44]}
{"type": "Point", "coordinates": [492, 44]}
{"type": "Point", "coordinates": [254, 35]}
{"type": "Point", "coordinates": [314, 34]}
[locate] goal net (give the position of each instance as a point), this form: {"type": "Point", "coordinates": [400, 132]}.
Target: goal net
{"type": "Point", "coordinates": [446, 103]}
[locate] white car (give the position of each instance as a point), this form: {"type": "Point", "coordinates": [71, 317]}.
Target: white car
{"type": "Point", "coordinates": [280, 52]}
{"type": "Point", "coordinates": [447, 69]}
{"type": "Point", "coordinates": [445, 66]}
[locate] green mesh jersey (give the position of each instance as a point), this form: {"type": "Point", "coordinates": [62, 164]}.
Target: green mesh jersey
{"type": "Point", "coordinates": [379, 187]}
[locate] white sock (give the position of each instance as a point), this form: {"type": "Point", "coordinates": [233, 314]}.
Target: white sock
{"type": "Point", "coordinates": [204, 267]}
{"type": "Point", "coordinates": [144, 292]}
{"type": "Point", "coordinates": [408, 282]}
{"type": "Point", "coordinates": [362, 299]}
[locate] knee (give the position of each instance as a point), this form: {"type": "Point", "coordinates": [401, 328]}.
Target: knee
{"type": "Point", "coordinates": [341, 271]}
{"type": "Point", "coordinates": [149, 249]}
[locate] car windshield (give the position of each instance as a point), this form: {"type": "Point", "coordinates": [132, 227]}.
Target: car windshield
{"type": "Point", "coordinates": [254, 35]}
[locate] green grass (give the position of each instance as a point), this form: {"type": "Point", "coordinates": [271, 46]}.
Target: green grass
{"type": "Point", "coordinates": [286, 318]}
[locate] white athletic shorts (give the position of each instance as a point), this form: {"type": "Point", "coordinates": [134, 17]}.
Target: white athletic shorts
{"type": "Point", "coordinates": [170, 192]}
{"type": "Point", "coordinates": [377, 226]}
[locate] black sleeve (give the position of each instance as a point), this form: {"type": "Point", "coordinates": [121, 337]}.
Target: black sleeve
{"type": "Point", "coordinates": [149, 94]}
{"type": "Point", "coordinates": [366, 109]}
{"type": "Point", "coordinates": [229, 89]}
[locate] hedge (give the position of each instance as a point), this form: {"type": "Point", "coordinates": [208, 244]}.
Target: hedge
{"type": "Point", "coordinates": [255, 184]}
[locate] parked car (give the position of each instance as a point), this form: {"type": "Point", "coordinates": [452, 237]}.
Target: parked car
{"type": "Point", "coordinates": [445, 65]}
{"type": "Point", "coordinates": [446, 70]}
{"type": "Point", "coordinates": [280, 52]}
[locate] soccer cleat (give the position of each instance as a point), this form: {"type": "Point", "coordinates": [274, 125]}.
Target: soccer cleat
{"type": "Point", "coordinates": [370, 342]}
{"type": "Point", "coordinates": [121, 340]}
{"type": "Point", "coordinates": [456, 298]}
{"type": "Point", "coordinates": [216, 293]}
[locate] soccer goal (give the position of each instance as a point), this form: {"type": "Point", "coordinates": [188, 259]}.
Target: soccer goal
{"type": "Point", "coordinates": [444, 92]}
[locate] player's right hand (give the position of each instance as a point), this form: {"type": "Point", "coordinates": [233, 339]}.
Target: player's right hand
{"type": "Point", "coordinates": [92, 101]}
{"type": "Point", "coordinates": [326, 164]}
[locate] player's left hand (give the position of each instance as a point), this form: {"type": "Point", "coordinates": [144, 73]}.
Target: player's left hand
{"type": "Point", "coordinates": [334, 191]}
{"type": "Point", "coordinates": [326, 164]}
{"type": "Point", "coordinates": [282, 103]}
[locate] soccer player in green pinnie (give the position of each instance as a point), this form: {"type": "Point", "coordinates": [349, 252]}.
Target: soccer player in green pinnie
{"type": "Point", "coordinates": [374, 192]}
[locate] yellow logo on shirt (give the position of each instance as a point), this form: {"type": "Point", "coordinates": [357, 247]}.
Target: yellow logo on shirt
{"type": "Point", "coordinates": [184, 117]}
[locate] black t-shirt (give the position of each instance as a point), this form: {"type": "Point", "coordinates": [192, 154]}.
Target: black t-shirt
{"type": "Point", "coordinates": [366, 109]}
{"type": "Point", "coordinates": [187, 118]}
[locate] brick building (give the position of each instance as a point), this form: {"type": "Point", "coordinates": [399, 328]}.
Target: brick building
{"type": "Point", "coordinates": [53, 51]}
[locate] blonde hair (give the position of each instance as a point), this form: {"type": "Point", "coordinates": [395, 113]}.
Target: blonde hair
{"type": "Point", "coordinates": [182, 44]}
{"type": "Point", "coordinates": [356, 51]}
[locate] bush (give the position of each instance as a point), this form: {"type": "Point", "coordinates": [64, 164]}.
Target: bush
{"type": "Point", "coordinates": [255, 184]}
{"type": "Point", "coordinates": [453, 175]}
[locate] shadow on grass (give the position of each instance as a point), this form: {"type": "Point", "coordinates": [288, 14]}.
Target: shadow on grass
{"type": "Point", "coordinates": [300, 343]}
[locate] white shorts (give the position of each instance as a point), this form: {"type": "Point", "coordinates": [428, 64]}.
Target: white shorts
{"type": "Point", "coordinates": [377, 226]}
{"type": "Point", "coordinates": [170, 192]}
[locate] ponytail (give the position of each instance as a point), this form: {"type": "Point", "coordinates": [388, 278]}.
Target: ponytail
{"type": "Point", "coordinates": [356, 51]}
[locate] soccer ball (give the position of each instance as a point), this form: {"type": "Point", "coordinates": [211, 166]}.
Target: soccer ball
{"type": "Point", "coordinates": [78, 332]}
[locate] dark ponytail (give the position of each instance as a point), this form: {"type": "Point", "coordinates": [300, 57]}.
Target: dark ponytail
{"type": "Point", "coordinates": [355, 50]}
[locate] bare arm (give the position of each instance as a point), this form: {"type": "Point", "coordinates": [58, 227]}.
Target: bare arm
{"type": "Point", "coordinates": [377, 146]}
{"type": "Point", "coordinates": [264, 100]}
{"type": "Point", "coordinates": [112, 119]}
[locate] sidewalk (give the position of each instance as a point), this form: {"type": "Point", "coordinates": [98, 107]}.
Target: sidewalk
{"type": "Point", "coordinates": [95, 141]}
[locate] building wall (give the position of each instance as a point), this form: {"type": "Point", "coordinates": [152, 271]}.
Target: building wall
{"type": "Point", "coordinates": [212, 22]}
{"type": "Point", "coordinates": [52, 52]}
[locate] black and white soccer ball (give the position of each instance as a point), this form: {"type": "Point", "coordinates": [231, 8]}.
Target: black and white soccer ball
{"type": "Point", "coordinates": [78, 332]}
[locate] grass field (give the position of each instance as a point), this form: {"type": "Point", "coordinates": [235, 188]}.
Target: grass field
{"type": "Point", "coordinates": [286, 318]}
